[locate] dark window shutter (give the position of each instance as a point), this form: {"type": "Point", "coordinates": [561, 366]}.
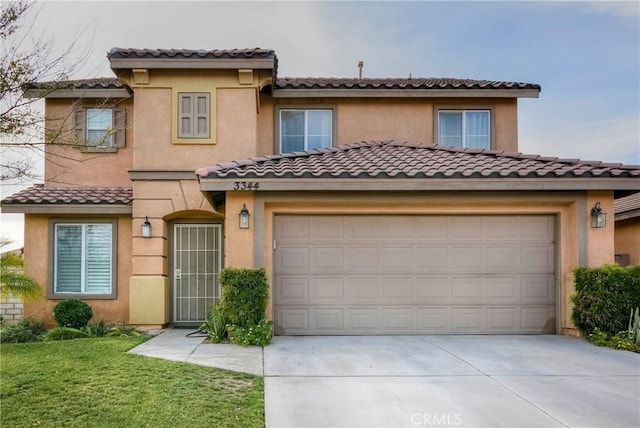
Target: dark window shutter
{"type": "Point", "coordinates": [79, 123]}
{"type": "Point", "coordinates": [119, 127]}
{"type": "Point", "coordinates": [185, 116]}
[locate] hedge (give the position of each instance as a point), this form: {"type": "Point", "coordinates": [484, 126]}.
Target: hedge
{"type": "Point", "coordinates": [244, 295]}
{"type": "Point", "coordinates": [604, 297]}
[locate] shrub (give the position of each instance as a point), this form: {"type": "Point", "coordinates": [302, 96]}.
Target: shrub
{"type": "Point", "coordinates": [244, 295]}
{"type": "Point", "coordinates": [256, 335]}
{"type": "Point", "coordinates": [26, 330]}
{"type": "Point", "coordinates": [124, 331]}
{"type": "Point", "coordinates": [604, 296]}
{"type": "Point", "coordinates": [72, 313]}
{"type": "Point", "coordinates": [216, 324]}
{"type": "Point", "coordinates": [64, 333]}
{"type": "Point", "coordinates": [97, 328]}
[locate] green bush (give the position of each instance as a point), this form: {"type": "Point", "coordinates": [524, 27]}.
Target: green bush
{"type": "Point", "coordinates": [623, 340]}
{"type": "Point", "coordinates": [604, 297]}
{"type": "Point", "coordinates": [27, 330]}
{"type": "Point", "coordinates": [72, 313]}
{"type": "Point", "coordinates": [256, 335]}
{"type": "Point", "coordinates": [216, 324]}
{"type": "Point", "coordinates": [244, 295]}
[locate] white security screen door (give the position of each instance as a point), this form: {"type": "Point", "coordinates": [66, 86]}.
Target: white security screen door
{"type": "Point", "coordinates": [197, 262]}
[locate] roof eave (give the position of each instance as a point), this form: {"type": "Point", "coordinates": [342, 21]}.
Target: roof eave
{"type": "Point", "coordinates": [192, 63]}
{"type": "Point", "coordinates": [626, 215]}
{"type": "Point", "coordinates": [84, 209]}
{"type": "Point", "coordinates": [421, 184]}
{"type": "Point", "coordinates": [403, 93]}
{"type": "Point", "coordinates": [77, 93]}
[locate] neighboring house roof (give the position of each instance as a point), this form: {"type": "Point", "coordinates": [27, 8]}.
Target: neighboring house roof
{"type": "Point", "coordinates": [109, 87]}
{"type": "Point", "coordinates": [67, 199]}
{"type": "Point", "coordinates": [627, 207]}
{"type": "Point", "coordinates": [396, 160]}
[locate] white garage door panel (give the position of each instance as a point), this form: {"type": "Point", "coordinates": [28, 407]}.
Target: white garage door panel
{"type": "Point", "coordinates": [414, 274]}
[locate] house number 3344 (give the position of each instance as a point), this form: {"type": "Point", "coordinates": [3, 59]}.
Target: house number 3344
{"type": "Point", "coordinates": [246, 185]}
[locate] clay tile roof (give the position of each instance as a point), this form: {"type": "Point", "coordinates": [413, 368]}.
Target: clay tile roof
{"type": "Point", "coordinates": [396, 83]}
{"type": "Point", "coordinates": [628, 203]}
{"type": "Point", "coordinates": [39, 194]}
{"type": "Point", "coordinates": [190, 53]}
{"type": "Point", "coordinates": [96, 83]}
{"type": "Point", "coordinates": [377, 159]}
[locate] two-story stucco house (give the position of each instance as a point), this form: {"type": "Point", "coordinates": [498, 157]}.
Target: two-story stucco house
{"type": "Point", "coordinates": [375, 205]}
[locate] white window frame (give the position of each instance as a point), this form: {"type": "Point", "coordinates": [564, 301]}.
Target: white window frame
{"type": "Point", "coordinates": [53, 291]}
{"type": "Point", "coordinates": [306, 124]}
{"type": "Point", "coordinates": [108, 131]}
{"type": "Point", "coordinates": [464, 121]}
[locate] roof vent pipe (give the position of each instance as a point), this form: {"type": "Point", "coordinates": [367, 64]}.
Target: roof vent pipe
{"type": "Point", "coordinates": [360, 65]}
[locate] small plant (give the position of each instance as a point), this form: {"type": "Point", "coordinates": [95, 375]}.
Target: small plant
{"type": "Point", "coordinates": [72, 313]}
{"type": "Point", "coordinates": [124, 331]}
{"type": "Point", "coordinates": [598, 337]}
{"type": "Point", "coordinates": [97, 328]}
{"type": "Point", "coordinates": [216, 324]}
{"type": "Point", "coordinates": [27, 330]}
{"type": "Point", "coordinates": [64, 333]}
{"type": "Point", "coordinates": [257, 335]}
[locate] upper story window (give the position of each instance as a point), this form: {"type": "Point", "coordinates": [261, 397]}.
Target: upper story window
{"type": "Point", "coordinates": [464, 128]}
{"type": "Point", "coordinates": [83, 258]}
{"type": "Point", "coordinates": [302, 129]}
{"type": "Point", "coordinates": [100, 127]}
{"type": "Point", "coordinates": [194, 115]}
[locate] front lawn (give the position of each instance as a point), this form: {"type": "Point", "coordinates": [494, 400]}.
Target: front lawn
{"type": "Point", "coordinates": [95, 383]}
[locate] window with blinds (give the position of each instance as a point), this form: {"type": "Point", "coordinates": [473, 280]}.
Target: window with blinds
{"type": "Point", "coordinates": [83, 259]}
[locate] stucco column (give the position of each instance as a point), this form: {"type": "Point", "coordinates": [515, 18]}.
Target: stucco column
{"type": "Point", "coordinates": [238, 243]}
{"type": "Point", "coordinates": [600, 241]}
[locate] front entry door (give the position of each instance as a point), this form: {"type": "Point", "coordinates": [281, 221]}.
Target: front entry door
{"type": "Point", "coordinates": [197, 262]}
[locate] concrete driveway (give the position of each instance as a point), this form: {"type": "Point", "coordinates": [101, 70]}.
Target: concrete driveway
{"type": "Point", "coordinates": [478, 381]}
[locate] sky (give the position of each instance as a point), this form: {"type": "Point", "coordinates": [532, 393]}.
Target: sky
{"type": "Point", "coordinates": [585, 55]}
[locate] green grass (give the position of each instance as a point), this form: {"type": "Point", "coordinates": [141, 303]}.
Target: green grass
{"type": "Point", "coordinates": [95, 383]}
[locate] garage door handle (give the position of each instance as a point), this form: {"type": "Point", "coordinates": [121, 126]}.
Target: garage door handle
{"type": "Point", "coordinates": [274, 245]}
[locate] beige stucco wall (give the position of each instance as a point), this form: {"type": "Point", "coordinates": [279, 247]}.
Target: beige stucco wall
{"type": "Point", "coordinates": [156, 149]}
{"type": "Point", "coordinates": [601, 242]}
{"type": "Point", "coordinates": [68, 165]}
{"type": "Point", "coordinates": [400, 119]}
{"type": "Point", "coordinates": [627, 239]}
{"type": "Point", "coordinates": [37, 260]}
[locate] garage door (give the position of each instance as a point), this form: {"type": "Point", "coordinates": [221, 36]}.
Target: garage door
{"type": "Point", "coordinates": [414, 274]}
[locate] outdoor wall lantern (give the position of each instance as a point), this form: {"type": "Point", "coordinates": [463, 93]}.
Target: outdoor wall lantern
{"type": "Point", "coordinates": [244, 217]}
{"type": "Point", "coordinates": [598, 218]}
{"type": "Point", "coordinates": [146, 228]}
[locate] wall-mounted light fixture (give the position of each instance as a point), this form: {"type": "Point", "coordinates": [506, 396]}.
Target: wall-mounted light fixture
{"type": "Point", "coordinates": [146, 228]}
{"type": "Point", "coordinates": [598, 218]}
{"type": "Point", "coordinates": [244, 217]}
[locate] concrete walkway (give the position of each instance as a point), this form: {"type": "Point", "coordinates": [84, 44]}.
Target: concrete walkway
{"type": "Point", "coordinates": [175, 345]}
{"type": "Point", "coordinates": [411, 381]}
